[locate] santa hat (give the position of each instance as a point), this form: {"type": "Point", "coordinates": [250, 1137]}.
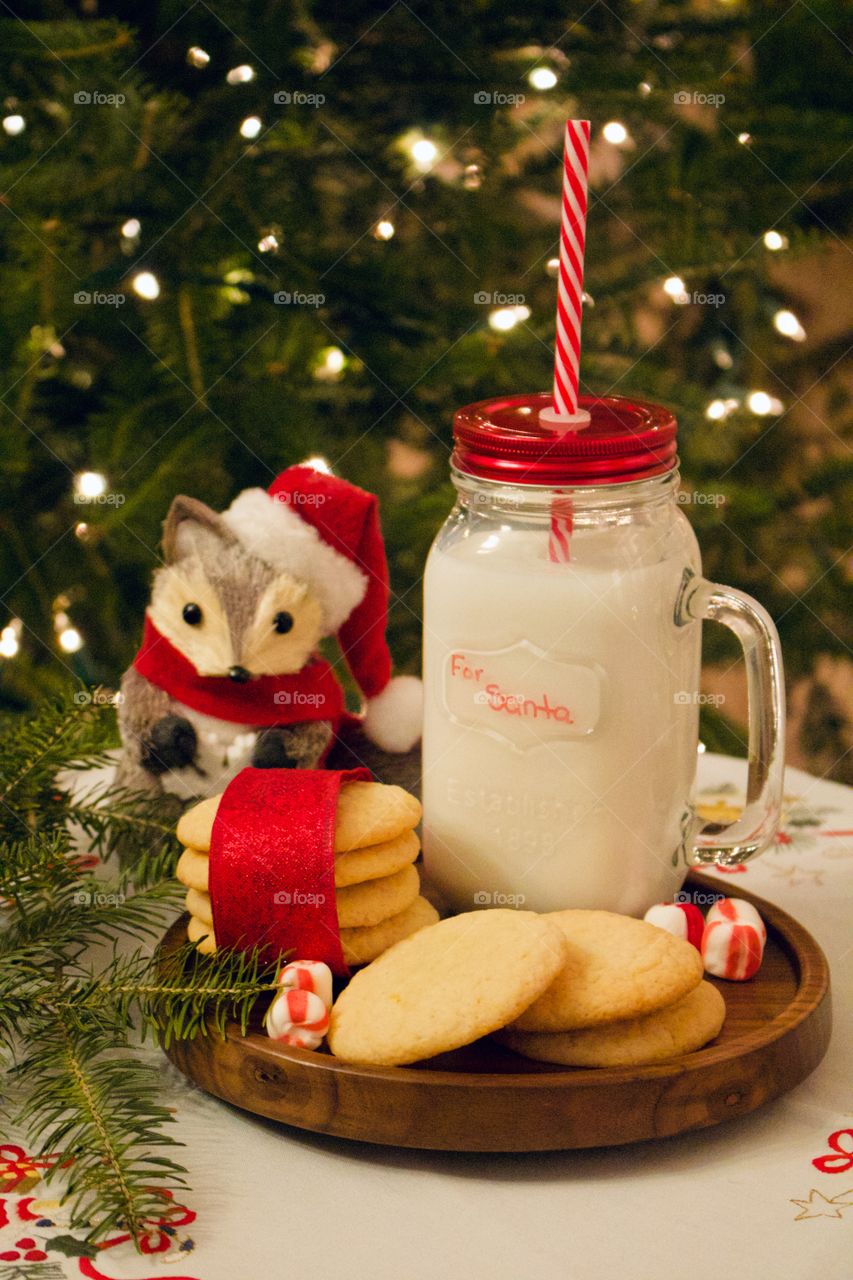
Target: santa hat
{"type": "Point", "coordinates": [325, 532]}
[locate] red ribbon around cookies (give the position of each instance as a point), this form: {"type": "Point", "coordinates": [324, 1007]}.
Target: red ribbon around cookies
{"type": "Point", "coordinates": [272, 863]}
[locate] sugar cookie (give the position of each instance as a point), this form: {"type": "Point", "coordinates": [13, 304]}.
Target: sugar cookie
{"type": "Point", "coordinates": [376, 860]}
{"type": "Point", "coordinates": [680, 1028]}
{"type": "Point", "coordinates": [363, 945]}
{"type": "Point", "coordinates": [198, 905]}
{"type": "Point", "coordinates": [616, 968]}
{"type": "Point", "coordinates": [195, 826]}
{"type": "Point", "coordinates": [193, 870]}
{"type": "Point", "coordinates": [362, 905]}
{"type": "Point", "coordinates": [202, 935]}
{"type": "Point", "coordinates": [368, 813]}
{"type": "Point", "coordinates": [446, 986]}
{"type": "Point", "coordinates": [372, 813]}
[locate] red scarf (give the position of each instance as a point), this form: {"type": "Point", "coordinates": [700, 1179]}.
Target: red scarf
{"type": "Point", "coordinates": [311, 694]}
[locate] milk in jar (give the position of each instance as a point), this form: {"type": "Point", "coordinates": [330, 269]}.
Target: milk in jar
{"type": "Point", "coordinates": [561, 698]}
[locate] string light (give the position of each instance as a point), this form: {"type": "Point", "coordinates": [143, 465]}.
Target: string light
{"type": "Point", "coordinates": [81, 530]}
{"type": "Point", "coordinates": [644, 88]}
{"type": "Point", "coordinates": [70, 640]}
{"type": "Point", "coordinates": [318, 463]}
{"type": "Point", "coordinates": [744, 139]}
{"type": "Point", "coordinates": [719, 409]}
{"type": "Point", "coordinates": [241, 75]}
{"type": "Point", "coordinates": [552, 267]}
{"type": "Point", "coordinates": [424, 153]}
{"type": "Point", "coordinates": [10, 638]}
{"type": "Point", "coordinates": [506, 318]}
{"type": "Point", "coordinates": [131, 229]}
{"type": "Point", "coordinates": [251, 126]}
{"type": "Point", "coordinates": [676, 289]}
{"type": "Point", "coordinates": [331, 366]}
{"type": "Point", "coordinates": [384, 230]}
{"type": "Point", "coordinates": [774, 240]}
{"type": "Point", "coordinates": [89, 485]}
{"type": "Point", "coordinates": [13, 125]}
{"type": "Point", "coordinates": [542, 78]}
{"type": "Point", "coordinates": [268, 243]}
{"type": "Point", "coordinates": [615, 133]}
{"type": "Point", "coordinates": [472, 177]}
{"type": "Point", "coordinates": [786, 323]}
{"type": "Point", "coordinates": [146, 285]}
{"type": "Point", "coordinates": [197, 57]}
{"type": "Point", "coordinates": [763, 404]}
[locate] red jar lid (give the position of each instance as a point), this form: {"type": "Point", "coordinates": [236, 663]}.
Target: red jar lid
{"type": "Point", "coordinates": [502, 439]}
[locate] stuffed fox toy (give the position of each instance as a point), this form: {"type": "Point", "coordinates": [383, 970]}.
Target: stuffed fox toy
{"type": "Point", "coordinates": [228, 674]}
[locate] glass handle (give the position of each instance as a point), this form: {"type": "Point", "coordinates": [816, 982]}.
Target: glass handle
{"type": "Point", "coordinates": [727, 845]}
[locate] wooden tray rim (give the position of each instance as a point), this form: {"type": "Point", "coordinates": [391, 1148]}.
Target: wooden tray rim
{"type": "Point", "coordinates": [791, 936]}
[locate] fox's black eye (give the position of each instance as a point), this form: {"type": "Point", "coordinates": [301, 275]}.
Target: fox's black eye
{"type": "Point", "coordinates": [283, 622]}
{"type": "Point", "coordinates": [192, 614]}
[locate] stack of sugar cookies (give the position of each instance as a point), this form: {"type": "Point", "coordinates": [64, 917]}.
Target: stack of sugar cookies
{"type": "Point", "coordinates": [581, 988]}
{"type": "Point", "coordinates": [627, 995]}
{"type": "Point", "coordinates": [377, 887]}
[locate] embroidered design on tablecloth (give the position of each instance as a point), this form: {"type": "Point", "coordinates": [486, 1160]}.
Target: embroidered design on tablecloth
{"type": "Point", "coordinates": [36, 1242]}
{"type": "Point", "coordinates": [817, 1205]}
{"type": "Point", "coordinates": [804, 829]}
{"type": "Point", "coordinates": [841, 1159]}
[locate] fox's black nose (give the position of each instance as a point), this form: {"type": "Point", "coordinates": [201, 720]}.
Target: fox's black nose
{"type": "Point", "coordinates": [239, 674]}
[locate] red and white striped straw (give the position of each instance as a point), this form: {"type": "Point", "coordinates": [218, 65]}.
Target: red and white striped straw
{"type": "Point", "coordinates": [570, 288]}
{"type": "Point", "coordinates": [562, 523]}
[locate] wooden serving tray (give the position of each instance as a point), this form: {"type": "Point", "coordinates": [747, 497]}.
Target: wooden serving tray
{"type": "Point", "coordinates": [486, 1098]}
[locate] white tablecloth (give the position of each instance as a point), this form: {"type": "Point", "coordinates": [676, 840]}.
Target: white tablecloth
{"type": "Point", "coordinates": [766, 1196]}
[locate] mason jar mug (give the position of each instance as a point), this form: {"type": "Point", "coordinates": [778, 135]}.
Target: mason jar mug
{"type": "Point", "coordinates": [563, 611]}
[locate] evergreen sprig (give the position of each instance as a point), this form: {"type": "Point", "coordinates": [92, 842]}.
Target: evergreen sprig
{"type": "Point", "coordinates": [75, 1001]}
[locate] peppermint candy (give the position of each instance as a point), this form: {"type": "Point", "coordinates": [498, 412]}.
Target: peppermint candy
{"type": "Point", "coordinates": [684, 919]}
{"type": "Point", "coordinates": [733, 941]}
{"type": "Point", "coordinates": [299, 1013]}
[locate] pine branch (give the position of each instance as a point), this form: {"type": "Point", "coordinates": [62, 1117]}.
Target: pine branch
{"type": "Point", "coordinates": [87, 1098]}
{"type": "Point", "coordinates": [174, 997]}
{"type": "Point", "coordinates": [189, 994]}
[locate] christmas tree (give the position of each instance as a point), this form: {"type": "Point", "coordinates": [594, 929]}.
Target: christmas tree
{"type": "Point", "coordinates": [236, 238]}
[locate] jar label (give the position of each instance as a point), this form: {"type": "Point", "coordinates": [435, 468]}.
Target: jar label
{"type": "Point", "coordinates": [521, 694]}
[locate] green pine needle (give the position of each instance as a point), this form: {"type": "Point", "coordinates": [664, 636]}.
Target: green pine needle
{"type": "Point", "coordinates": [70, 1029]}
